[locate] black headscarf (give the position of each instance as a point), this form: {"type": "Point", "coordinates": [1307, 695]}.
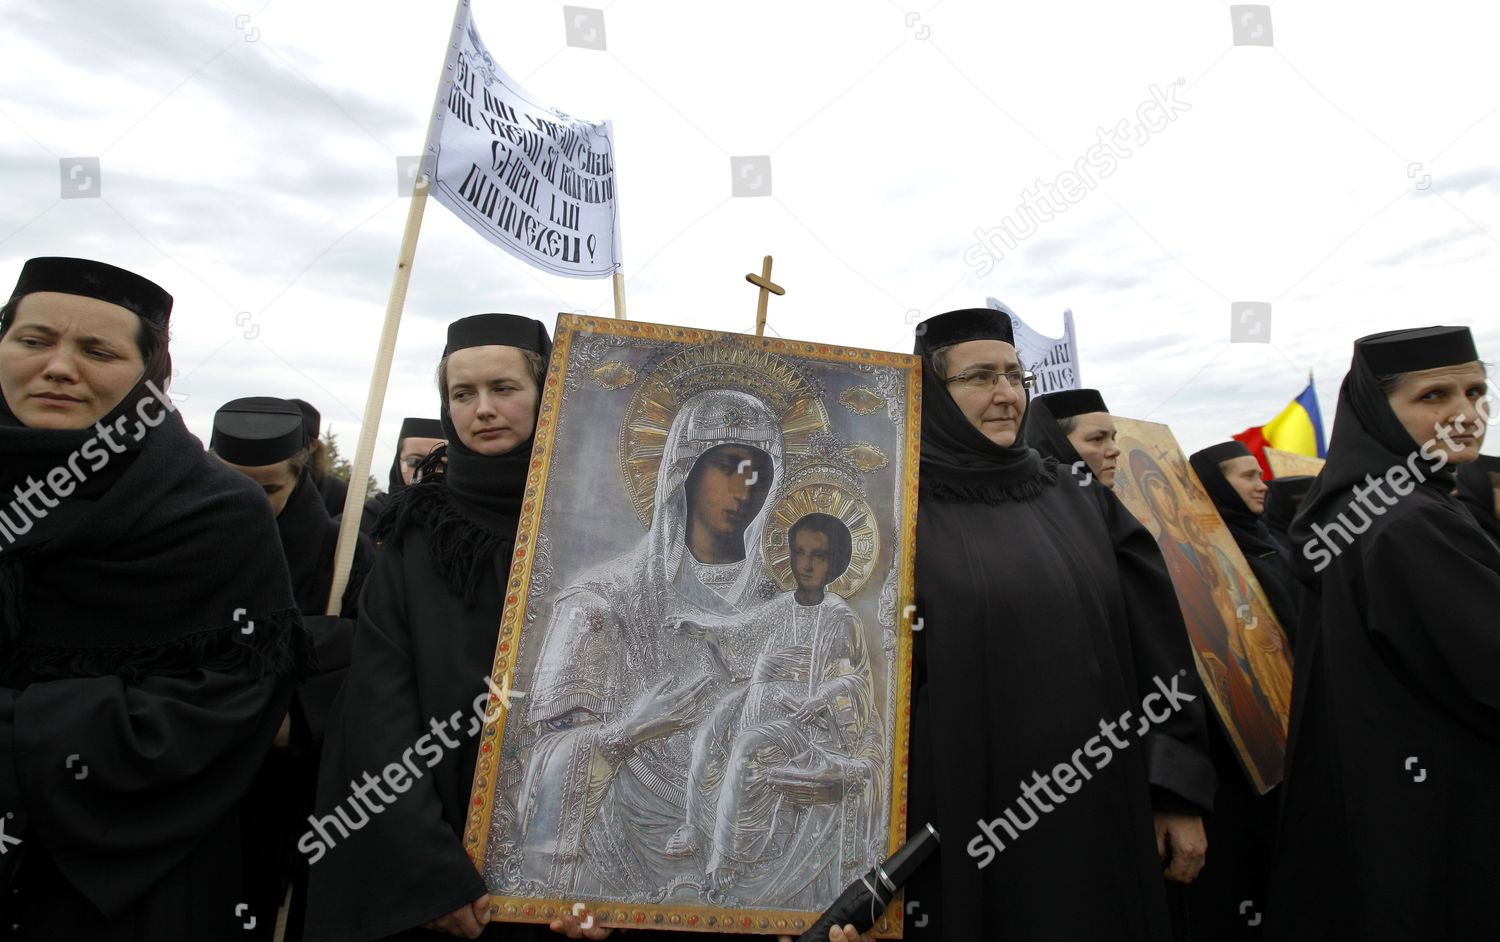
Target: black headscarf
{"type": "Point", "coordinates": [1367, 437]}
{"type": "Point", "coordinates": [1226, 499]}
{"type": "Point", "coordinates": [958, 462]}
{"type": "Point", "coordinates": [1269, 560]}
{"type": "Point", "coordinates": [411, 428]}
{"type": "Point", "coordinates": [1043, 431]}
{"type": "Point", "coordinates": [469, 504]}
{"type": "Point", "coordinates": [1478, 494]}
{"type": "Point", "coordinates": [309, 538]}
{"type": "Point", "coordinates": [129, 575]}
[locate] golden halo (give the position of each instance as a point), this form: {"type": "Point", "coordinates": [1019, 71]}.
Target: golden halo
{"type": "Point", "coordinates": [823, 492]}
{"type": "Point", "coordinates": [721, 364]}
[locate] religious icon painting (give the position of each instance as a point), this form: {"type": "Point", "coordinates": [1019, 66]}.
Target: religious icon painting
{"type": "Point", "coordinates": [1240, 648]}
{"type": "Point", "coordinates": [706, 641]}
{"type": "Point", "coordinates": [1285, 464]}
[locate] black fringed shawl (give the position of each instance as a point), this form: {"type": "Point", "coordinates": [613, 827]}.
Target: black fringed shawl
{"type": "Point", "coordinates": [428, 622]}
{"type": "Point", "coordinates": [159, 562]}
{"type": "Point", "coordinates": [309, 537]}
{"type": "Point", "coordinates": [467, 504]}
{"type": "Point", "coordinates": [959, 464]}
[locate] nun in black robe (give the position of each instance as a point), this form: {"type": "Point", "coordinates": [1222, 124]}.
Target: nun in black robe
{"type": "Point", "coordinates": [410, 428]}
{"type": "Point", "coordinates": [1243, 824]}
{"type": "Point", "coordinates": [1044, 429]}
{"type": "Point", "coordinates": [1269, 561]}
{"type": "Point", "coordinates": [148, 649]}
{"type": "Point", "coordinates": [428, 623]}
{"type": "Point", "coordinates": [261, 432]}
{"type": "Point", "coordinates": [1476, 488]}
{"type": "Point", "coordinates": [1045, 612]}
{"type": "Point", "coordinates": [1283, 497]}
{"type": "Point", "coordinates": [1390, 820]}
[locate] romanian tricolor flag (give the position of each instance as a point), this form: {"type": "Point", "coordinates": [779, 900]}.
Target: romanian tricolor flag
{"type": "Point", "coordinates": [1299, 429]}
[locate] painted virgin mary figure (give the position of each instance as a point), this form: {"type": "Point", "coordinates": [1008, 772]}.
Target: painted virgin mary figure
{"type": "Point", "coordinates": [1194, 575]}
{"type": "Point", "coordinates": [618, 693]}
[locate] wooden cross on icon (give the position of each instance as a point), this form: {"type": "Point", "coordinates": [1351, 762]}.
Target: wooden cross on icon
{"type": "Point", "coordinates": [765, 284]}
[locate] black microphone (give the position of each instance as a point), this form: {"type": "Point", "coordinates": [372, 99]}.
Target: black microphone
{"type": "Point", "coordinates": [866, 898]}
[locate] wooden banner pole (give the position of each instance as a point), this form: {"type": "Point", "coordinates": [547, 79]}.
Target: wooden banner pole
{"type": "Point", "coordinates": [359, 476]}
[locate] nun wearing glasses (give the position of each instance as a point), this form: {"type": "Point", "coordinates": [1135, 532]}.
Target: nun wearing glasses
{"type": "Point", "coordinates": [1058, 737]}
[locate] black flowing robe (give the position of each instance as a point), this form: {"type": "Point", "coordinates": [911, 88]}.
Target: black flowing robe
{"type": "Point", "coordinates": [428, 622]}
{"type": "Point", "coordinates": [375, 506]}
{"type": "Point", "coordinates": [153, 659]}
{"type": "Point", "coordinates": [1478, 494]}
{"type": "Point", "coordinates": [333, 490]}
{"type": "Point", "coordinates": [1040, 619]}
{"type": "Point", "coordinates": [1242, 828]}
{"type": "Point", "coordinates": [1047, 637]}
{"type": "Point", "coordinates": [1283, 497]}
{"type": "Point", "coordinates": [1390, 822]}
{"type": "Point", "coordinates": [1391, 819]}
{"type": "Point", "coordinates": [276, 809]}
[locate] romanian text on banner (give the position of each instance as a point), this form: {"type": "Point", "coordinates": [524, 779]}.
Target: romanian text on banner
{"type": "Point", "coordinates": [1054, 361]}
{"type": "Point", "coordinates": [533, 180]}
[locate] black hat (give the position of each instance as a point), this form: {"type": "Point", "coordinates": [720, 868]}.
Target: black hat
{"type": "Point", "coordinates": [1222, 452]}
{"type": "Point", "coordinates": [505, 330]}
{"type": "Point", "coordinates": [312, 419]}
{"type": "Point", "coordinates": [1421, 348]}
{"type": "Point", "coordinates": [1070, 402]}
{"type": "Point", "coordinates": [1206, 463]}
{"type": "Point", "coordinates": [973, 323]}
{"type": "Point", "coordinates": [257, 431]}
{"type": "Point", "coordinates": [421, 428]}
{"type": "Point", "coordinates": [91, 279]}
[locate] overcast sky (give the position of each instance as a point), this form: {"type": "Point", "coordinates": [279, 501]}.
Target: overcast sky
{"type": "Point", "coordinates": [1345, 174]}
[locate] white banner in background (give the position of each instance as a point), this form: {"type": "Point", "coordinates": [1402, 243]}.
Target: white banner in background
{"type": "Point", "coordinates": [533, 180]}
{"type": "Point", "coordinates": [1054, 361]}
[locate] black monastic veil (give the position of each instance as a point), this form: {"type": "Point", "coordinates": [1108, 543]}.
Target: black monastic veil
{"type": "Point", "coordinates": [1390, 819]}
{"type": "Point", "coordinates": [145, 664]}
{"type": "Point", "coordinates": [1046, 609]}
{"type": "Point", "coordinates": [428, 623]}
{"type": "Point", "coordinates": [1269, 561]}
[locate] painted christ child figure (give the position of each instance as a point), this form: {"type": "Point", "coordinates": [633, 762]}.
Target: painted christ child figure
{"type": "Point", "coordinates": [774, 766]}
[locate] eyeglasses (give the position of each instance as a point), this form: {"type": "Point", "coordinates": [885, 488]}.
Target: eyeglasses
{"type": "Point", "coordinates": [986, 379]}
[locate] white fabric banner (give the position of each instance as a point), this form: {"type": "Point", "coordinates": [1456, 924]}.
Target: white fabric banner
{"type": "Point", "coordinates": [1054, 361]}
{"type": "Point", "coordinates": [535, 181]}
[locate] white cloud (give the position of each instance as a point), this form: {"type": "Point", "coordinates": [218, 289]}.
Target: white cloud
{"type": "Point", "coordinates": [259, 177]}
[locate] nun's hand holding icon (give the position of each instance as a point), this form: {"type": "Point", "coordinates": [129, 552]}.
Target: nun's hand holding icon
{"type": "Point", "coordinates": [572, 927]}
{"type": "Point", "coordinates": [466, 921]}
